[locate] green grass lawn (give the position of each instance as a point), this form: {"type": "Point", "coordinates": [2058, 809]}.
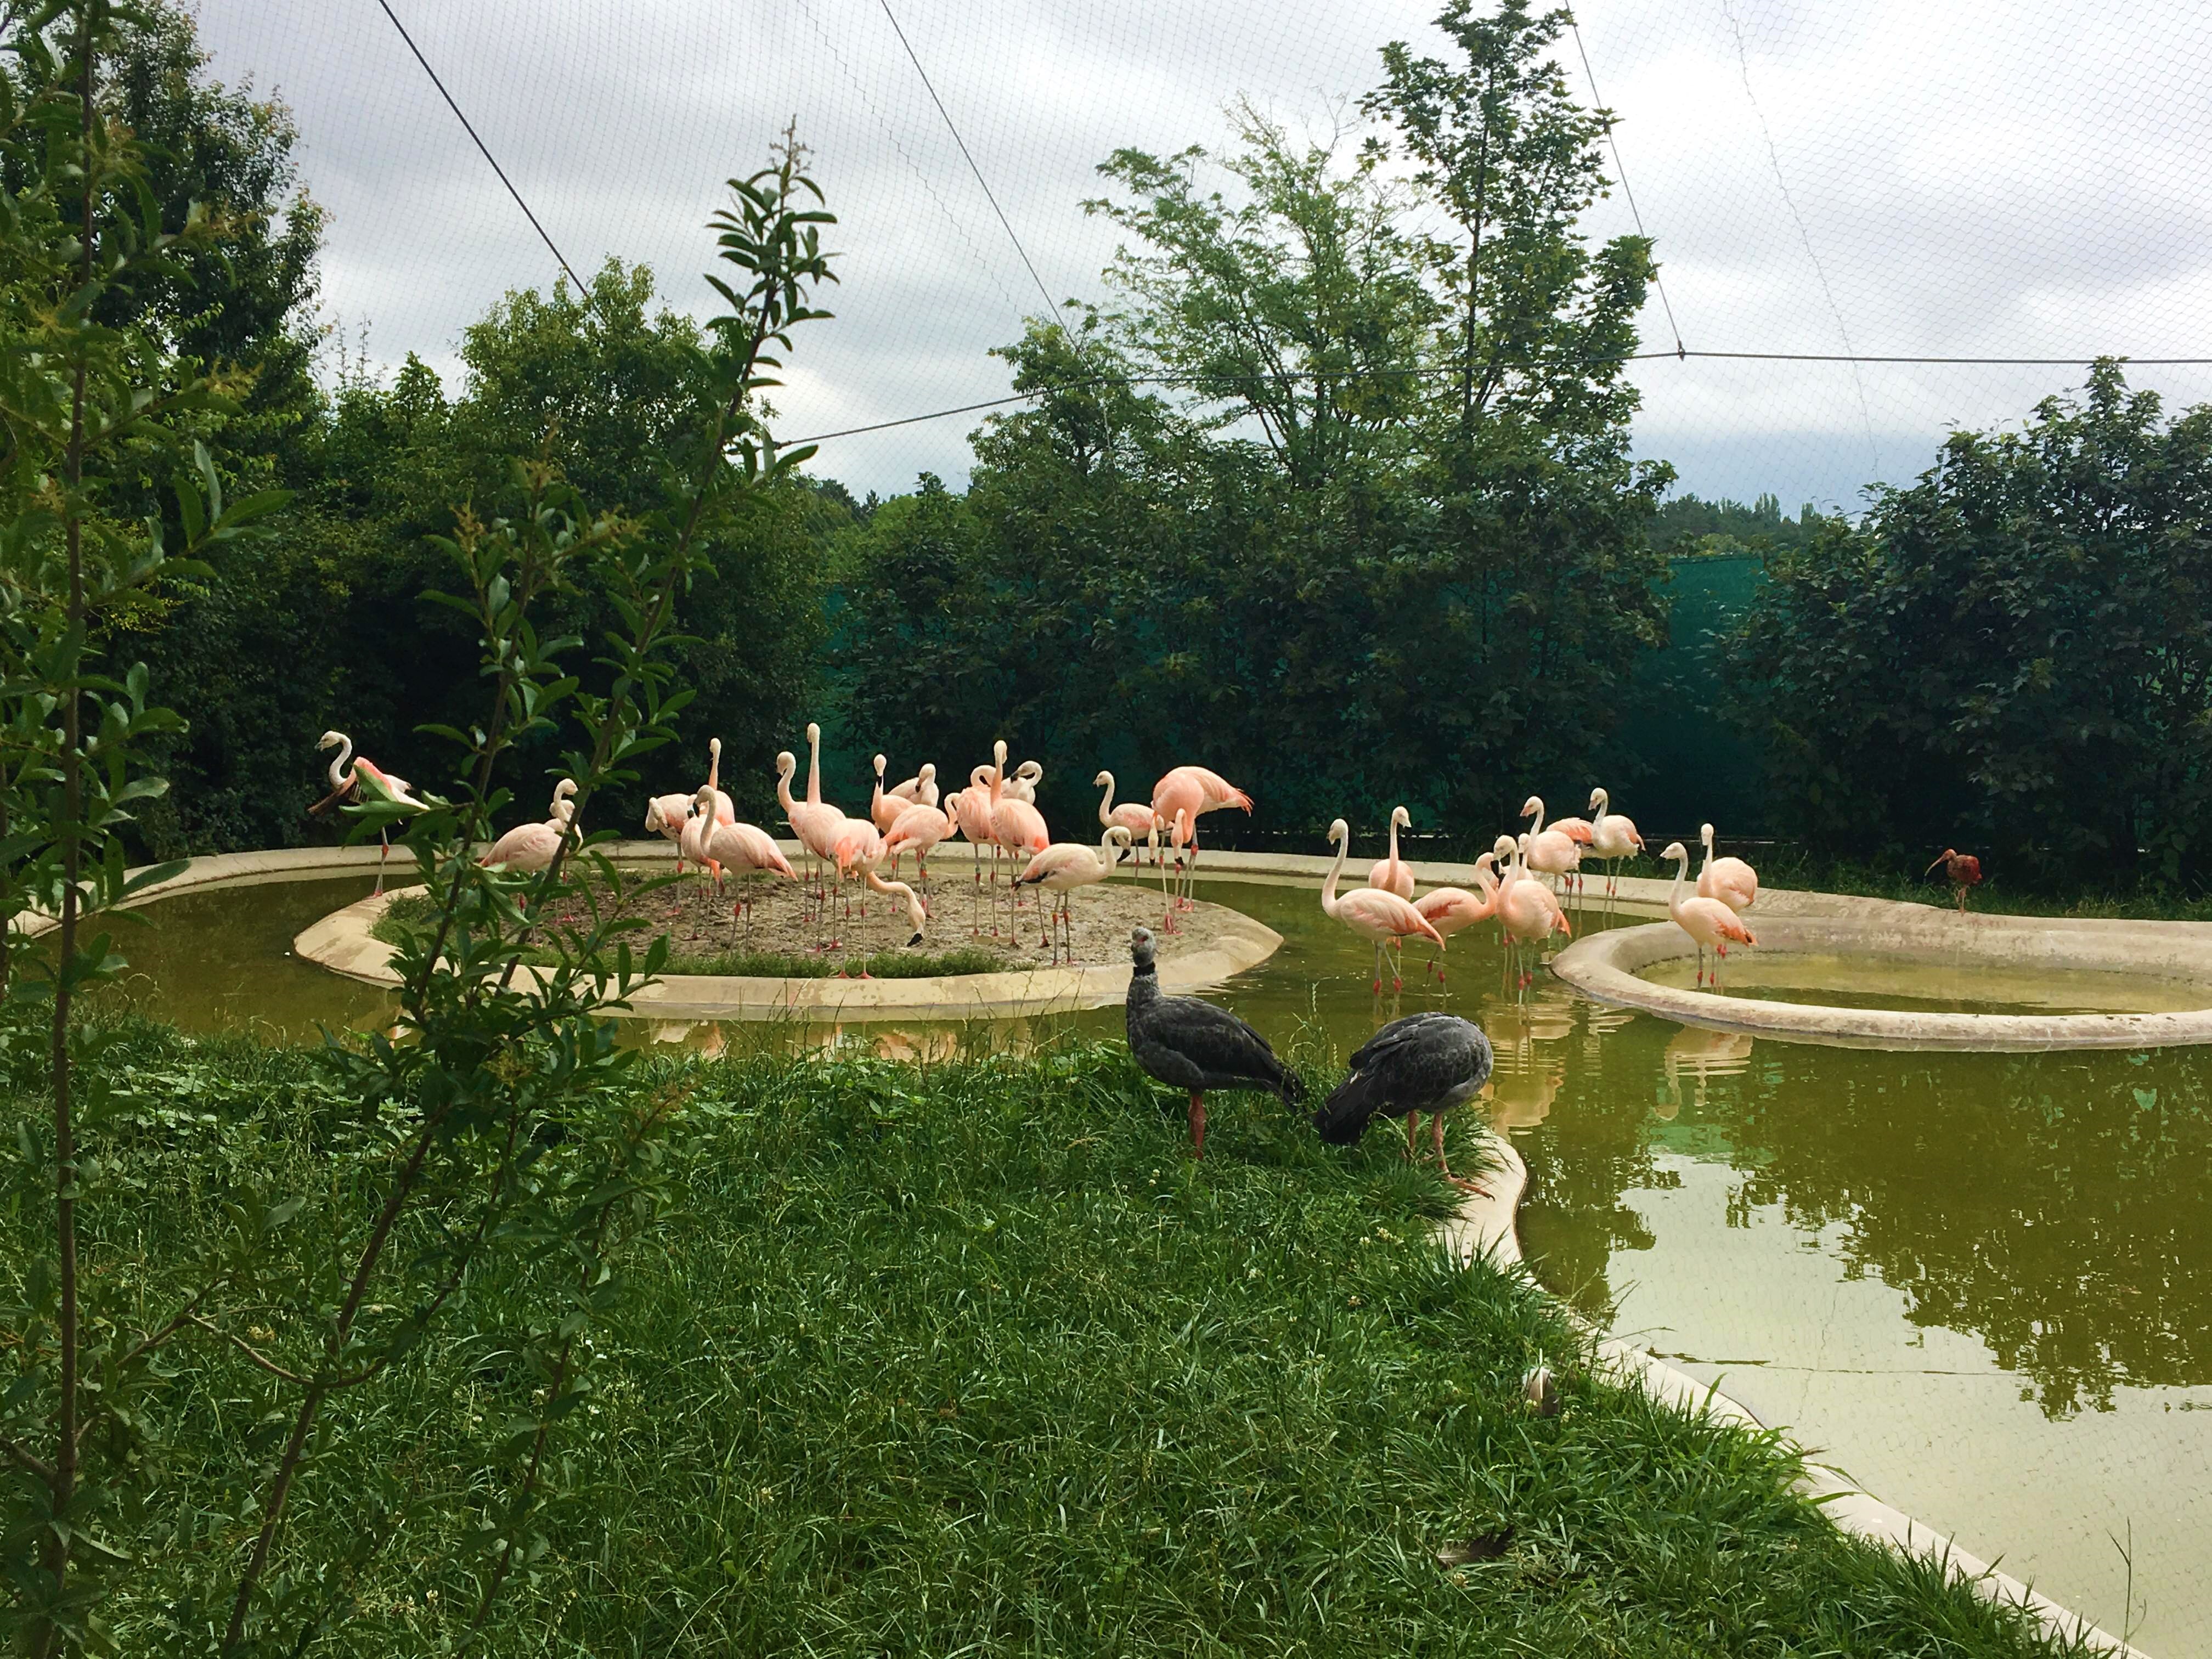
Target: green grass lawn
{"type": "Point", "coordinates": [973, 1359]}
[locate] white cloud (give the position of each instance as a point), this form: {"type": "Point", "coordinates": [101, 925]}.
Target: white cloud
{"type": "Point", "coordinates": [2023, 178]}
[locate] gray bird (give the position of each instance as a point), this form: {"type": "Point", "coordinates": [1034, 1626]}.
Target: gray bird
{"type": "Point", "coordinates": [1196, 1046]}
{"type": "Point", "coordinates": [1423, 1063]}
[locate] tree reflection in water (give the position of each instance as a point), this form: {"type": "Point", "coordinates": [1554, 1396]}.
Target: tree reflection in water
{"type": "Point", "coordinates": [2058, 1208]}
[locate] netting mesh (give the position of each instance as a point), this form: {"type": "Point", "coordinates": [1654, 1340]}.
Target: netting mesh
{"type": "Point", "coordinates": [1874, 180]}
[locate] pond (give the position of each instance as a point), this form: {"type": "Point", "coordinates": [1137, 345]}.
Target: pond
{"type": "Point", "coordinates": [1980, 1284]}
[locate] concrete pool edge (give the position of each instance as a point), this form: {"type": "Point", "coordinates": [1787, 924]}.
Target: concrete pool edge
{"type": "Point", "coordinates": [1607, 967]}
{"type": "Point", "coordinates": [1485, 1225]}
{"type": "Point", "coordinates": [342, 942]}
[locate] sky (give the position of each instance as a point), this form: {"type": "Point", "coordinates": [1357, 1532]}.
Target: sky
{"type": "Point", "coordinates": [1876, 178]}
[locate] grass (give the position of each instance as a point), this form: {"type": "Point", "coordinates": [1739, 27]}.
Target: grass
{"type": "Point", "coordinates": [412, 909]}
{"type": "Point", "coordinates": [973, 1358]}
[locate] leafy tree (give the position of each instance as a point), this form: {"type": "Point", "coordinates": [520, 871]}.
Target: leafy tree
{"type": "Point", "coordinates": [2013, 654]}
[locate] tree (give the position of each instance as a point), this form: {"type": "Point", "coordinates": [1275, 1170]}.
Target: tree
{"type": "Point", "coordinates": [2012, 655]}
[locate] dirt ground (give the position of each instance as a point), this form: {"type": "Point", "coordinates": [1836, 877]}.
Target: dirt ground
{"type": "Point", "coordinates": [961, 918]}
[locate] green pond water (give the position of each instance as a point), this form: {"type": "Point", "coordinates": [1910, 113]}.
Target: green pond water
{"type": "Point", "coordinates": [1980, 1284]}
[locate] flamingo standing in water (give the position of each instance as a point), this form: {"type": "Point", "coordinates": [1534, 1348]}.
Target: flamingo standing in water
{"type": "Point", "coordinates": [736, 846]}
{"type": "Point", "coordinates": [1731, 881]}
{"type": "Point", "coordinates": [1527, 910]}
{"type": "Point", "coordinates": [1192, 791]}
{"type": "Point", "coordinates": [528, 848]}
{"type": "Point", "coordinates": [1550, 852]}
{"type": "Point", "coordinates": [1375, 916]}
{"type": "Point", "coordinates": [352, 777]}
{"type": "Point", "coordinates": [1393, 874]}
{"type": "Point", "coordinates": [1709, 921]}
{"type": "Point", "coordinates": [1612, 838]}
{"type": "Point", "coordinates": [1454, 910]}
{"type": "Point", "coordinates": [1067, 864]}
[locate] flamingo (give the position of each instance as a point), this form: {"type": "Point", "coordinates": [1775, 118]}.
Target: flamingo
{"type": "Point", "coordinates": [1552, 852]}
{"type": "Point", "coordinates": [1373, 914]}
{"type": "Point", "coordinates": [917, 913]}
{"type": "Point", "coordinates": [1731, 881]}
{"type": "Point", "coordinates": [1964, 869]}
{"type": "Point", "coordinates": [1023, 786]}
{"type": "Point", "coordinates": [739, 847]}
{"type": "Point", "coordinates": [1393, 874]}
{"type": "Point", "coordinates": [1708, 920]}
{"type": "Point", "coordinates": [1527, 910]}
{"type": "Point", "coordinates": [1016, 826]}
{"type": "Point", "coordinates": [919, 790]}
{"type": "Point", "coordinates": [1136, 818]}
{"type": "Point", "coordinates": [724, 812]}
{"type": "Point", "coordinates": [356, 775]}
{"type": "Point", "coordinates": [1182, 831]}
{"type": "Point", "coordinates": [1067, 864]}
{"type": "Point", "coordinates": [528, 848]}
{"type": "Point", "coordinates": [884, 810]}
{"type": "Point", "coordinates": [1612, 838]}
{"type": "Point", "coordinates": [1454, 910]}
{"type": "Point", "coordinates": [816, 823]}
{"type": "Point", "coordinates": [917, 830]}
{"type": "Point", "coordinates": [1193, 790]}
{"type": "Point", "coordinates": [664, 817]}
{"type": "Point", "coordinates": [972, 815]}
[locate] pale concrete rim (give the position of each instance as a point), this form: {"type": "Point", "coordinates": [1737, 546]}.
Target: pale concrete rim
{"type": "Point", "coordinates": [342, 943]}
{"type": "Point", "coordinates": [1483, 1226]}
{"type": "Point", "coordinates": [1607, 967]}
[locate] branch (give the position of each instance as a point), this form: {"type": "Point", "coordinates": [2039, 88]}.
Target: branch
{"type": "Point", "coordinates": [27, 1458]}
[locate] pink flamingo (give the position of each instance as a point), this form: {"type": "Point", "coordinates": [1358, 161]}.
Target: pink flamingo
{"type": "Point", "coordinates": [917, 830]}
{"type": "Point", "coordinates": [1132, 815]}
{"type": "Point", "coordinates": [363, 776]}
{"type": "Point", "coordinates": [972, 815]}
{"type": "Point", "coordinates": [1731, 881]}
{"type": "Point", "coordinates": [917, 913]}
{"type": "Point", "coordinates": [1067, 864]}
{"type": "Point", "coordinates": [724, 812]}
{"type": "Point", "coordinates": [816, 823]}
{"type": "Point", "coordinates": [1708, 920]}
{"type": "Point", "coordinates": [1023, 786]}
{"type": "Point", "coordinates": [1552, 852]}
{"type": "Point", "coordinates": [664, 817]}
{"type": "Point", "coordinates": [920, 789]}
{"type": "Point", "coordinates": [1375, 916]}
{"type": "Point", "coordinates": [739, 847]}
{"type": "Point", "coordinates": [1453, 910]}
{"type": "Point", "coordinates": [883, 809]}
{"type": "Point", "coordinates": [1194, 791]}
{"type": "Point", "coordinates": [528, 848]}
{"type": "Point", "coordinates": [1016, 826]}
{"type": "Point", "coordinates": [1180, 831]}
{"type": "Point", "coordinates": [1527, 910]}
{"type": "Point", "coordinates": [1612, 838]}
{"type": "Point", "coordinates": [1393, 874]}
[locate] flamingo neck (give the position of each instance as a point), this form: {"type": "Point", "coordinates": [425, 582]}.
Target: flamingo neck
{"type": "Point", "coordinates": [1107, 851]}
{"type": "Point", "coordinates": [1106, 806]}
{"type": "Point", "coordinates": [1674, 895]}
{"type": "Point", "coordinates": [1604, 805]}
{"type": "Point", "coordinates": [1328, 887]}
{"type": "Point", "coordinates": [338, 765]}
{"type": "Point", "coordinates": [1393, 838]}
{"type": "Point", "coordinates": [783, 791]}
{"type": "Point", "coordinates": [1537, 827]}
{"type": "Point", "coordinates": [715, 763]}
{"type": "Point", "coordinates": [1705, 839]}
{"type": "Point", "coordinates": [814, 767]}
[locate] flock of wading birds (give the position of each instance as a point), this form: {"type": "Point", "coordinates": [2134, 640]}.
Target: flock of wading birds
{"type": "Point", "coordinates": [1522, 882]}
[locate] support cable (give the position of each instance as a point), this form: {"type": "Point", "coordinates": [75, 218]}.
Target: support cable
{"type": "Point", "coordinates": [1620, 172]}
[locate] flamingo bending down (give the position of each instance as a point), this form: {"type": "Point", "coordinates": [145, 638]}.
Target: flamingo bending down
{"type": "Point", "coordinates": [1527, 910]}
{"type": "Point", "coordinates": [1023, 786]}
{"type": "Point", "coordinates": [1612, 838]}
{"type": "Point", "coordinates": [1454, 910]}
{"type": "Point", "coordinates": [1964, 869]}
{"type": "Point", "coordinates": [354, 776]}
{"type": "Point", "coordinates": [664, 817]}
{"type": "Point", "coordinates": [1731, 881]}
{"type": "Point", "coordinates": [1067, 864]}
{"type": "Point", "coordinates": [1194, 791]}
{"type": "Point", "coordinates": [917, 913]}
{"type": "Point", "coordinates": [1551, 852]}
{"type": "Point", "coordinates": [1375, 916]}
{"type": "Point", "coordinates": [725, 811]}
{"type": "Point", "coordinates": [917, 830]}
{"type": "Point", "coordinates": [1709, 921]}
{"type": "Point", "coordinates": [1132, 815]}
{"type": "Point", "coordinates": [530, 848]}
{"type": "Point", "coordinates": [1393, 874]}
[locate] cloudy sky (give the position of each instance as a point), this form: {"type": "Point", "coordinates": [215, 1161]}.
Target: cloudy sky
{"type": "Point", "coordinates": [2029, 178]}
